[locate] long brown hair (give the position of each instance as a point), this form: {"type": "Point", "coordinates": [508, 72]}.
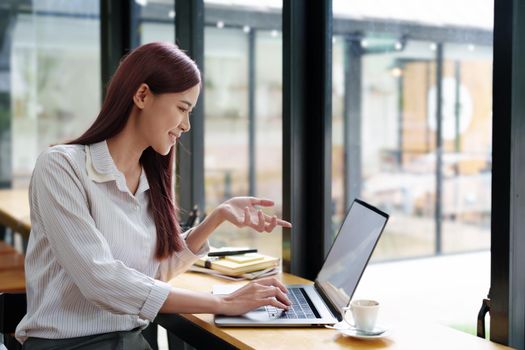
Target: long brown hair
{"type": "Point", "coordinates": [165, 69]}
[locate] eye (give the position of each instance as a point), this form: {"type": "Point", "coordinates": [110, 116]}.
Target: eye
{"type": "Point", "coordinates": [183, 110]}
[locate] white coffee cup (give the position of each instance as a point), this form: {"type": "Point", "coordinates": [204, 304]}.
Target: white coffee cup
{"type": "Point", "coordinates": [362, 314]}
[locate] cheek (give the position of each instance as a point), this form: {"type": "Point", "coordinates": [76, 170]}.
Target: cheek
{"type": "Point", "coordinates": [174, 119]}
{"type": "Point", "coordinates": [149, 122]}
{"type": "Point", "coordinates": [162, 118]}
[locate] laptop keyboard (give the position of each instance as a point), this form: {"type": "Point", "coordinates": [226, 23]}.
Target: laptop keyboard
{"type": "Point", "coordinates": [300, 307]}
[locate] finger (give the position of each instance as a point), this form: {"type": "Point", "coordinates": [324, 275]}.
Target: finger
{"type": "Point", "coordinates": [272, 291]}
{"type": "Point", "coordinates": [276, 303]}
{"type": "Point", "coordinates": [272, 281]}
{"type": "Point", "coordinates": [247, 217]}
{"type": "Point", "coordinates": [262, 221]}
{"type": "Point", "coordinates": [284, 223]}
{"type": "Point", "coordinates": [269, 218]}
{"type": "Point", "coordinates": [271, 225]}
{"type": "Point", "coordinates": [262, 202]}
{"type": "Point", "coordinates": [280, 222]}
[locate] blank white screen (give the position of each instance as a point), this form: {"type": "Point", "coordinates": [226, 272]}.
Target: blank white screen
{"type": "Point", "coordinates": [350, 252]}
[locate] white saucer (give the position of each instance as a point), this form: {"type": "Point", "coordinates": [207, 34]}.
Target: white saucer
{"type": "Point", "coordinates": [347, 330]}
{"type": "Point", "coordinates": [350, 332]}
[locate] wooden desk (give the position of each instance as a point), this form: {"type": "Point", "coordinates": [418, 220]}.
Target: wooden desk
{"type": "Point", "coordinates": [12, 278]}
{"type": "Point", "coordinates": [199, 330]}
{"type": "Point", "coordinates": [14, 211]}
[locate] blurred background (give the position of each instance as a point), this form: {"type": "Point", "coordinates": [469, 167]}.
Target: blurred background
{"type": "Point", "coordinates": [401, 69]}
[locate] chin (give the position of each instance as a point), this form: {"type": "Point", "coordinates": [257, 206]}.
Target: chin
{"type": "Point", "coordinates": [164, 150]}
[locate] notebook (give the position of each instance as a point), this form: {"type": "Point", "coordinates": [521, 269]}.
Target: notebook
{"type": "Point", "coordinates": [321, 303]}
{"type": "Point", "coordinates": [236, 266]}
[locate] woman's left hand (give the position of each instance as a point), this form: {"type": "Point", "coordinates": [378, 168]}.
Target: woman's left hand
{"type": "Point", "coordinates": [244, 212]}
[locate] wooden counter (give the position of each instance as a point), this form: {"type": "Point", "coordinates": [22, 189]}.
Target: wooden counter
{"type": "Point", "coordinates": [402, 336]}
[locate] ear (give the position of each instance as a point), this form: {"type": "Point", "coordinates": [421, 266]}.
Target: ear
{"type": "Point", "coordinates": [140, 96]}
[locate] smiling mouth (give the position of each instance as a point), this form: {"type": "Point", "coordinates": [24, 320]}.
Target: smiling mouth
{"type": "Point", "coordinates": [173, 137]}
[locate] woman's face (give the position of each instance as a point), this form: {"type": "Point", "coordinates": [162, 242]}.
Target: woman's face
{"type": "Point", "coordinates": [164, 117]}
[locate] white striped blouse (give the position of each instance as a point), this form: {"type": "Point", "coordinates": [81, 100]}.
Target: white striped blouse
{"type": "Point", "coordinates": [90, 262]}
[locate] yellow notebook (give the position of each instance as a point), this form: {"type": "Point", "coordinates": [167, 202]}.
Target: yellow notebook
{"type": "Point", "coordinates": [234, 268]}
{"type": "Point", "coordinates": [244, 258]}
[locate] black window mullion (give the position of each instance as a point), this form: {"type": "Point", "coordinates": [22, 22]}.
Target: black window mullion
{"type": "Point", "coordinates": [507, 289]}
{"type": "Point", "coordinates": [8, 17]}
{"type": "Point", "coordinates": [189, 25]}
{"type": "Point", "coordinates": [307, 142]}
{"type": "Point", "coordinates": [115, 38]}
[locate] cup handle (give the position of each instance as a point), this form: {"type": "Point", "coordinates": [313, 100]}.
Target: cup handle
{"type": "Point", "coordinates": [346, 308]}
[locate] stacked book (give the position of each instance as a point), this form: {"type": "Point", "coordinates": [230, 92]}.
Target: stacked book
{"type": "Point", "coordinates": [238, 267]}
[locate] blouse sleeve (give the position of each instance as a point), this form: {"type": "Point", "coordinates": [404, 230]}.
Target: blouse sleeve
{"type": "Point", "coordinates": [181, 261]}
{"type": "Point", "coordinates": [61, 207]}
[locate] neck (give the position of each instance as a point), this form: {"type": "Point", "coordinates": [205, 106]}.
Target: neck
{"type": "Point", "coordinates": [126, 148]}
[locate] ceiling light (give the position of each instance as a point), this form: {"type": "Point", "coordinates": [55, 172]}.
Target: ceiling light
{"type": "Point", "coordinates": [396, 72]}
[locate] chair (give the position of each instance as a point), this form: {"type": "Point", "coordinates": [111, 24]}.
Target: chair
{"type": "Point", "coordinates": [13, 307]}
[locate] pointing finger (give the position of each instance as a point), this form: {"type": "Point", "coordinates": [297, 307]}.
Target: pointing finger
{"type": "Point", "coordinates": [263, 202]}
{"type": "Point", "coordinates": [284, 223]}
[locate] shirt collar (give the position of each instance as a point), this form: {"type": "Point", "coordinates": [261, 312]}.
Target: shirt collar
{"type": "Point", "coordinates": [101, 168]}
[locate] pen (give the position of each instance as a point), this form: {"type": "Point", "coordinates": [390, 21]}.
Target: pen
{"type": "Point", "coordinates": [207, 262]}
{"type": "Point", "coordinates": [232, 252]}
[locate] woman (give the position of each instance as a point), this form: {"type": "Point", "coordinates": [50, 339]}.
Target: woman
{"type": "Point", "coordinates": [105, 238]}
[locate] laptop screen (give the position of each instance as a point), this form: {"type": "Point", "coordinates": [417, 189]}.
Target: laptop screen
{"type": "Point", "coordinates": [350, 253]}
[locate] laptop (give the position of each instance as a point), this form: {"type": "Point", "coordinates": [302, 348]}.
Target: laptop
{"type": "Point", "coordinates": [322, 303]}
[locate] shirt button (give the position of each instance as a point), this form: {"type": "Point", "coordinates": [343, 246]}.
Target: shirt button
{"type": "Point", "coordinates": [137, 207]}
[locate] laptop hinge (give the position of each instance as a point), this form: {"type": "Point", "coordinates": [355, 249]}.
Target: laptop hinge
{"type": "Point", "coordinates": [333, 308]}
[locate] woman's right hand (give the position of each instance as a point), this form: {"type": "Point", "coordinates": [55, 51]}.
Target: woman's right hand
{"type": "Point", "coordinates": [265, 291]}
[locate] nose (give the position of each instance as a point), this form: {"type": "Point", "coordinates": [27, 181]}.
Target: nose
{"type": "Point", "coordinates": [185, 125]}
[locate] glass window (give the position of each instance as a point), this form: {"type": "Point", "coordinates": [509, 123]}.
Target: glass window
{"type": "Point", "coordinates": [154, 21]}
{"type": "Point", "coordinates": [243, 114]}
{"type": "Point", "coordinates": [50, 100]}
{"type": "Point", "coordinates": [467, 141]}
{"type": "Point", "coordinates": [398, 159]}
{"type": "Point", "coordinates": [386, 94]}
